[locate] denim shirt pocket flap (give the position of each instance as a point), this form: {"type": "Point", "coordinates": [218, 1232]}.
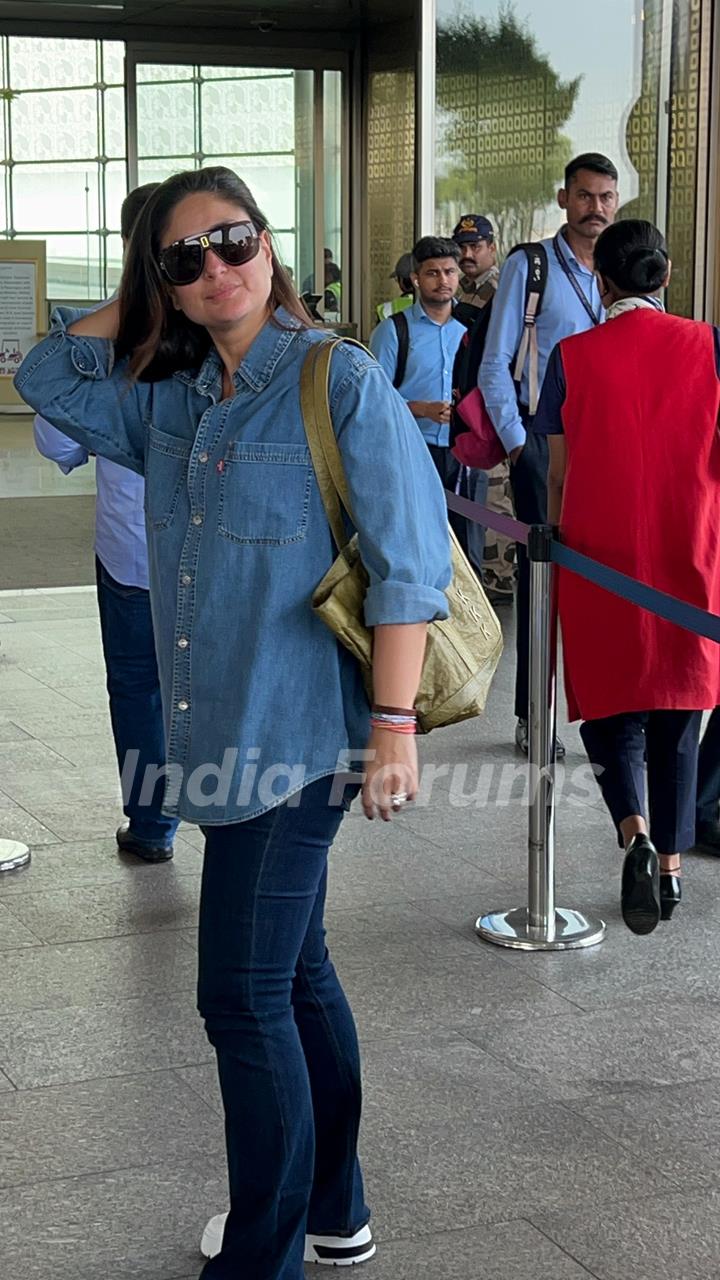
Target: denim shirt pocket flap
{"type": "Point", "coordinates": [165, 474]}
{"type": "Point", "coordinates": [265, 492]}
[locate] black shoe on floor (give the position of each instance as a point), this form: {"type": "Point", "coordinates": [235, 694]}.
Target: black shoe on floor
{"type": "Point", "coordinates": [670, 893]}
{"type": "Point", "coordinates": [640, 890]}
{"type": "Point", "coordinates": [707, 837]}
{"type": "Point", "coordinates": [127, 843]}
{"type": "Point", "coordinates": [522, 740]}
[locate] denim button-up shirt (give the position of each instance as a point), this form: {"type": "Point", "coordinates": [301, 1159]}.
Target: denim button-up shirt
{"type": "Point", "coordinates": [259, 698]}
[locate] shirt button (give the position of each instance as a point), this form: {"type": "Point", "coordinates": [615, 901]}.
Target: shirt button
{"type": "Point", "coordinates": [183, 705]}
{"type": "Point", "coordinates": [186, 579]}
{"type": "Point", "coordinates": [197, 520]}
{"type": "Point", "coordinates": [203, 457]}
{"type": "Point", "coordinates": [183, 642]}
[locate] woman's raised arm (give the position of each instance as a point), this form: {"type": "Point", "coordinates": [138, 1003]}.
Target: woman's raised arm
{"type": "Point", "coordinates": [71, 379]}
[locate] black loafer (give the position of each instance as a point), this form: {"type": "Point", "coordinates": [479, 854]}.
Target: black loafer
{"type": "Point", "coordinates": [640, 891]}
{"type": "Point", "coordinates": [670, 894]}
{"type": "Point", "coordinates": [127, 843]}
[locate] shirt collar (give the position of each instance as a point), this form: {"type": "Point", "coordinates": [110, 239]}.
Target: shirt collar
{"type": "Point", "coordinates": [419, 313]}
{"type": "Point", "coordinates": [259, 364]}
{"type": "Point", "coordinates": [568, 254]}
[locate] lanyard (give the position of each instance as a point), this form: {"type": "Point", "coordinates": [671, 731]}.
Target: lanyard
{"type": "Point", "coordinates": [571, 277]}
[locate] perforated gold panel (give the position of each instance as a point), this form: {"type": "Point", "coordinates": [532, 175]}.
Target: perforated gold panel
{"type": "Point", "coordinates": [390, 178]}
{"type": "Point", "coordinates": [688, 50]}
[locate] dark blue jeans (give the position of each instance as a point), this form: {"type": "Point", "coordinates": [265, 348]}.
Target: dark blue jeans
{"type": "Point", "coordinates": [285, 1039]}
{"type": "Point", "coordinates": [134, 692]}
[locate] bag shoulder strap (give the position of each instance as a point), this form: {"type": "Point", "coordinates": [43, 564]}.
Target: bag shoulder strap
{"type": "Point", "coordinates": [402, 330]}
{"type": "Point", "coordinates": [321, 438]}
{"type": "Point", "coordinates": [537, 274]}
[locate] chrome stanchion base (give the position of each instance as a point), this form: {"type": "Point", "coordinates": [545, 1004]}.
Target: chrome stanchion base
{"type": "Point", "coordinates": [13, 855]}
{"type": "Point", "coordinates": [512, 929]}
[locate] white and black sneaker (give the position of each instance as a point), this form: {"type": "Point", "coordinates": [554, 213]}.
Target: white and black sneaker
{"type": "Point", "coordinates": [329, 1251]}
{"type": "Point", "coordinates": [341, 1251]}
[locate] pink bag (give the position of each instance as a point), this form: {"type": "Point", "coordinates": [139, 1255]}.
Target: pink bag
{"type": "Point", "coordinates": [479, 446]}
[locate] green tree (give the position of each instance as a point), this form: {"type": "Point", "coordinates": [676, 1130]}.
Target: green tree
{"type": "Point", "coordinates": [501, 113]}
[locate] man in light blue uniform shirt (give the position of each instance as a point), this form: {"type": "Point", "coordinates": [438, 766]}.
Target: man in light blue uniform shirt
{"type": "Point", "coordinates": [570, 304]}
{"type": "Point", "coordinates": [125, 621]}
{"type": "Point", "coordinates": [434, 336]}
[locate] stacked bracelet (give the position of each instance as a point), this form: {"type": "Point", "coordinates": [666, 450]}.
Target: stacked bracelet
{"type": "Point", "coordinates": [396, 719]}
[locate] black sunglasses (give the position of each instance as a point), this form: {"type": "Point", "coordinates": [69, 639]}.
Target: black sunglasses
{"type": "Point", "coordinates": [235, 242]}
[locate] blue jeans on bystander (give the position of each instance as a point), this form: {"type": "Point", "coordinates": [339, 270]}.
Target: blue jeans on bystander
{"type": "Point", "coordinates": [135, 709]}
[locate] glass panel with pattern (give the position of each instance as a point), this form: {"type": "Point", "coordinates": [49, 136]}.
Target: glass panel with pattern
{"type": "Point", "coordinates": [75, 267]}
{"type": "Point", "coordinates": [56, 197]}
{"type": "Point", "coordinates": [40, 64]}
{"type": "Point", "coordinates": [60, 123]}
{"type": "Point", "coordinates": [253, 121]}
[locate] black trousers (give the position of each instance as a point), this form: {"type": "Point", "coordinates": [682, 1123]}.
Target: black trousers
{"type": "Point", "coordinates": [448, 468]}
{"type": "Point", "coordinates": [708, 791]}
{"type": "Point", "coordinates": [528, 477]}
{"type": "Point", "coordinates": [619, 746]}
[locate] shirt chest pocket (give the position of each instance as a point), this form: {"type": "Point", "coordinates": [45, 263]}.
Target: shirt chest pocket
{"type": "Point", "coordinates": [265, 493]}
{"type": "Point", "coordinates": [165, 476]}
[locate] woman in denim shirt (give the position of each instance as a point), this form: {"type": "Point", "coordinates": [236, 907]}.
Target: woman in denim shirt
{"type": "Point", "coordinates": [192, 379]}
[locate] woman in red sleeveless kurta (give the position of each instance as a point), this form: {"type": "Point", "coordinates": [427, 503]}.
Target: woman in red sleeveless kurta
{"type": "Point", "coordinates": [631, 412]}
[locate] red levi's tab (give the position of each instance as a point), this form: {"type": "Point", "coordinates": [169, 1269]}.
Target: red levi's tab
{"type": "Point", "coordinates": [480, 445]}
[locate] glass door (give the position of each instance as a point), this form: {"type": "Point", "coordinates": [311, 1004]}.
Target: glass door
{"type": "Point", "coordinates": [279, 128]}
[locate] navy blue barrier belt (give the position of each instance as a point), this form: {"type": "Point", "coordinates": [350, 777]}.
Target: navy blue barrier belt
{"type": "Point", "coordinates": [657, 602]}
{"type": "Point", "coordinates": [514, 529]}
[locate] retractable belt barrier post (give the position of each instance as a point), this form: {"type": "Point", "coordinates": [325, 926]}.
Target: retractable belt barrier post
{"type": "Point", "coordinates": [13, 855]}
{"type": "Point", "coordinates": [541, 926]}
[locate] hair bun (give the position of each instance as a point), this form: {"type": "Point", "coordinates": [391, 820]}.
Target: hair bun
{"type": "Point", "coordinates": [646, 268]}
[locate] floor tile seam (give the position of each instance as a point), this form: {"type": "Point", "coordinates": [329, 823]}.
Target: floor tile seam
{"type": "Point", "coordinates": [76, 1079]}
{"type": "Point", "coordinates": [101, 1173]}
{"type": "Point", "coordinates": [99, 937]}
{"type": "Point", "coordinates": [14, 916]}
{"type": "Point", "coordinates": [6, 592]}
{"type": "Point", "coordinates": [113, 1075]}
{"type": "Point", "coordinates": [30, 1011]}
{"type": "Point", "coordinates": [432, 1233]}
{"type": "Point", "coordinates": [505, 961]}
{"type": "Point", "coordinates": [175, 1071]}
{"type": "Point", "coordinates": [179, 878]}
{"type": "Point", "coordinates": [568, 1254]}
{"type": "Point", "coordinates": [142, 999]}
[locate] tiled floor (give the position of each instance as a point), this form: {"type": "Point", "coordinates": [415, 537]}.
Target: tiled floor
{"type": "Point", "coordinates": [528, 1117]}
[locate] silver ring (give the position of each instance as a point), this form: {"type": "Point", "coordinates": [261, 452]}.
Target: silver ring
{"type": "Point", "coordinates": [398, 798]}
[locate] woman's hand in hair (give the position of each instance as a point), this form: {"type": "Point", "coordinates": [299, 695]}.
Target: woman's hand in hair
{"type": "Point", "coordinates": [102, 323]}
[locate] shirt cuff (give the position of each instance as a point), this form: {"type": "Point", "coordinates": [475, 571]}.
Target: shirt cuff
{"type": "Point", "coordinates": [403, 602]}
{"type": "Point", "coordinates": [513, 437]}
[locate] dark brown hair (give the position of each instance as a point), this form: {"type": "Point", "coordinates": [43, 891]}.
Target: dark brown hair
{"type": "Point", "coordinates": [131, 207]}
{"type": "Point", "coordinates": [159, 339]}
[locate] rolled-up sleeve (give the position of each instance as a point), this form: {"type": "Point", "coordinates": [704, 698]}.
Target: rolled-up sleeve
{"type": "Point", "coordinates": [73, 383]}
{"type": "Point", "coordinates": [398, 503]}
